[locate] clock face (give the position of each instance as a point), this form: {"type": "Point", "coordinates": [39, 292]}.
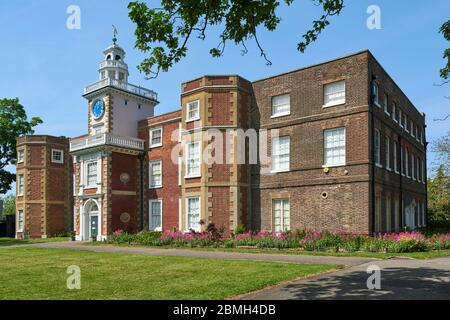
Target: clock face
{"type": "Point", "coordinates": [98, 109]}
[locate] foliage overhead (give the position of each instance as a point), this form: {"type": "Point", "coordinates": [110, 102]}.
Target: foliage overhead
{"type": "Point", "coordinates": [13, 123]}
{"type": "Point", "coordinates": [445, 30]}
{"type": "Point", "coordinates": [439, 196]}
{"type": "Point", "coordinates": [164, 32]}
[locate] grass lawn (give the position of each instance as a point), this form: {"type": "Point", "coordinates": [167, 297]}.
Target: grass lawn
{"type": "Point", "coordinates": [376, 255]}
{"type": "Point", "coordinates": [14, 242]}
{"type": "Point", "coordinates": [33, 273]}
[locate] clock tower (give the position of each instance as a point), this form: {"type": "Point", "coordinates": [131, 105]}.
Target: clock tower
{"type": "Point", "coordinates": [109, 161]}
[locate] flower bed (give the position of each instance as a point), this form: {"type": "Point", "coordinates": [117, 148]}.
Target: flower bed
{"type": "Point", "coordinates": [300, 240]}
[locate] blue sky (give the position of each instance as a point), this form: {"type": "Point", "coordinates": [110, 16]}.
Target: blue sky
{"type": "Point", "coordinates": [46, 65]}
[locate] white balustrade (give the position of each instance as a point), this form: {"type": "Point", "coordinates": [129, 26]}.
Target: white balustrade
{"type": "Point", "coordinates": [123, 86]}
{"type": "Point", "coordinates": [106, 139]}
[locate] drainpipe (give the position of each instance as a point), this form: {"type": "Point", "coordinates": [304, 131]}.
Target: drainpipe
{"type": "Point", "coordinates": [372, 133]}
{"type": "Point", "coordinates": [141, 194]}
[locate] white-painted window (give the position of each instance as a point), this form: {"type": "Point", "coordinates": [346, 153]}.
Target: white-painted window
{"type": "Point", "coordinates": [395, 157]}
{"type": "Point", "coordinates": [397, 215]}
{"type": "Point", "coordinates": [385, 104]}
{"type": "Point", "coordinates": [402, 160]}
{"type": "Point", "coordinates": [388, 153]}
{"type": "Point", "coordinates": [193, 159]}
{"type": "Point", "coordinates": [388, 214]}
{"type": "Point", "coordinates": [92, 174]}
{"type": "Point", "coordinates": [394, 112]}
{"type": "Point", "coordinates": [334, 147]}
{"type": "Point", "coordinates": [377, 214]}
{"type": "Point", "coordinates": [193, 111]}
{"type": "Point", "coordinates": [405, 122]}
{"type": "Point", "coordinates": [377, 148]}
{"type": "Point", "coordinates": [407, 163]}
{"type": "Point", "coordinates": [413, 168]}
{"type": "Point", "coordinates": [419, 178]}
{"type": "Point", "coordinates": [20, 156]}
{"type": "Point", "coordinates": [155, 171]}
{"type": "Point", "coordinates": [424, 178]}
{"type": "Point", "coordinates": [334, 94]}
{"type": "Point", "coordinates": [281, 215]}
{"type": "Point", "coordinates": [375, 92]}
{"type": "Point", "coordinates": [155, 215]}
{"type": "Point", "coordinates": [400, 118]}
{"type": "Point", "coordinates": [57, 156]}
{"type": "Point", "coordinates": [417, 133]}
{"type": "Point", "coordinates": [281, 106]}
{"type": "Point", "coordinates": [20, 220]}
{"type": "Point", "coordinates": [20, 185]}
{"type": "Point", "coordinates": [281, 154]}
{"type": "Point", "coordinates": [156, 138]}
{"type": "Point", "coordinates": [193, 213]}
{"type": "Point", "coordinates": [412, 128]}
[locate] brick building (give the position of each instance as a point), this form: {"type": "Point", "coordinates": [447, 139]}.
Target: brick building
{"type": "Point", "coordinates": [338, 145]}
{"type": "Point", "coordinates": [44, 180]}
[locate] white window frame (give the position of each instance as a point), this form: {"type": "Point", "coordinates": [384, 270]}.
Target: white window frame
{"type": "Point", "coordinates": [150, 213]}
{"type": "Point", "coordinates": [388, 213]}
{"type": "Point", "coordinates": [407, 163]}
{"type": "Point", "coordinates": [61, 161]}
{"type": "Point", "coordinates": [387, 142]}
{"type": "Point", "coordinates": [377, 148]}
{"type": "Point", "coordinates": [88, 163]}
{"type": "Point", "coordinates": [424, 178]}
{"type": "Point", "coordinates": [285, 222]}
{"type": "Point", "coordinates": [386, 104]}
{"type": "Point", "coordinates": [151, 175]}
{"type": "Point", "coordinates": [375, 92]}
{"type": "Point", "coordinates": [394, 112]}
{"type": "Point", "coordinates": [405, 118]}
{"type": "Point", "coordinates": [326, 149]}
{"type": "Point", "coordinates": [276, 153]}
{"type": "Point", "coordinates": [20, 185]}
{"type": "Point", "coordinates": [402, 158]}
{"type": "Point", "coordinates": [196, 104]}
{"type": "Point", "coordinates": [20, 155]}
{"type": "Point", "coordinates": [156, 145]}
{"type": "Point", "coordinates": [20, 221]}
{"type": "Point", "coordinates": [274, 106]}
{"type": "Point", "coordinates": [417, 133]}
{"type": "Point", "coordinates": [413, 167]}
{"type": "Point", "coordinates": [400, 118]}
{"type": "Point", "coordinates": [419, 178]}
{"type": "Point", "coordinates": [335, 102]}
{"type": "Point", "coordinates": [188, 227]}
{"type": "Point", "coordinates": [188, 173]}
{"type": "Point", "coordinates": [396, 157]}
{"type": "Point", "coordinates": [412, 128]}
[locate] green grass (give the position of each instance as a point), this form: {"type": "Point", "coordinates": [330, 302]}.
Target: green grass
{"type": "Point", "coordinates": [375, 255]}
{"type": "Point", "coordinates": [40, 274]}
{"type": "Point", "coordinates": [13, 242]}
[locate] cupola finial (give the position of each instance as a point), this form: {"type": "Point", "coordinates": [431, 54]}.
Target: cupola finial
{"type": "Point", "coordinates": [115, 33]}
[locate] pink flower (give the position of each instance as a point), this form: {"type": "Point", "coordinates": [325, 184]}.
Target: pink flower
{"type": "Point", "coordinates": [118, 233]}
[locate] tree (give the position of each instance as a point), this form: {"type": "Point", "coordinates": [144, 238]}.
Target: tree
{"type": "Point", "coordinates": [165, 32]}
{"type": "Point", "coordinates": [445, 72]}
{"type": "Point", "coordinates": [442, 148]}
{"type": "Point", "coordinates": [13, 123]}
{"type": "Point", "coordinates": [439, 196]}
{"type": "Point", "coordinates": [9, 205]}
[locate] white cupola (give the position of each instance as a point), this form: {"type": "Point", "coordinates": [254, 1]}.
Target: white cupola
{"type": "Point", "coordinates": [113, 66]}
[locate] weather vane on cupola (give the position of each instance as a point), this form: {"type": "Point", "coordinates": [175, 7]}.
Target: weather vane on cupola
{"type": "Point", "coordinates": [115, 33]}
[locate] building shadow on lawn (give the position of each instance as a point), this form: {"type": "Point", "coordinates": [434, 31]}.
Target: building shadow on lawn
{"type": "Point", "coordinates": [396, 283]}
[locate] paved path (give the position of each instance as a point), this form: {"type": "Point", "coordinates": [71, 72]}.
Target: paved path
{"type": "Point", "coordinates": [400, 279]}
{"type": "Point", "coordinates": [303, 259]}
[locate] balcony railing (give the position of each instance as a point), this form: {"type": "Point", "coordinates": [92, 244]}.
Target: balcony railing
{"type": "Point", "coordinates": [108, 82]}
{"type": "Point", "coordinates": [113, 64]}
{"type": "Point", "coordinates": [106, 139]}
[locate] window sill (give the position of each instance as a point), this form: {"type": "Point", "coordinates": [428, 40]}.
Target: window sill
{"type": "Point", "coordinates": [155, 187]}
{"type": "Point", "coordinates": [334, 165]}
{"type": "Point", "coordinates": [58, 162]}
{"type": "Point", "coordinates": [334, 104]}
{"type": "Point", "coordinates": [193, 177]}
{"type": "Point", "coordinates": [389, 169]}
{"type": "Point", "coordinates": [192, 120]}
{"type": "Point", "coordinates": [156, 146]}
{"type": "Point", "coordinates": [377, 104]}
{"type": "Point", "coordinates": [379, 165]}
{"type": "Point", "coordinates": [280, 171]}
{"type": "Point", "coordinates": [280, 115]}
